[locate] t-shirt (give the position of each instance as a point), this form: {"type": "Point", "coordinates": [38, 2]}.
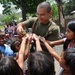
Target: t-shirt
{"type": "Point", "coordinates": [6, 50]}
{"type": "Point", "coordinates": [42, 29]}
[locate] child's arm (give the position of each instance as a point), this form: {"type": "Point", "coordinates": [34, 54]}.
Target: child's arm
{"type": "Point", "coordinates": [27, 46]}
{"type": "Point", "coordinates": [21, 56]}
{"type": "Point", "coordinates": [57, 42]}
{"type": "Point", "coordinates": [50, 49]}
{"type": "Point", "coordinates": [38, 46]}
{"type": "Point", "coordinates": [62, 61]}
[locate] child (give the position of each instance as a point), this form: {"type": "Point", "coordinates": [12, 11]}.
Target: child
{"type": "Point", "coordinates": [39, 63]}
{"type": "Point", "coordinates": [8, 66]}
{"type": "Point", "coordinates": [69, 57]}
{"type": "Point", "coordinates": [5, 49]}
{"type": "Point", "coordinates": [68, 43]}
{"type": "Point", "coordinates": [15, 45]}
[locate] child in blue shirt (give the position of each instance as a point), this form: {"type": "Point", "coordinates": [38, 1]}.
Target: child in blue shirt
{"type": "Point", "coordinates": [5, 49]}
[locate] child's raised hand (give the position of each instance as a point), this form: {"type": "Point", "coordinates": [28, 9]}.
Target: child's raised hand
{"type": "Point", "coordinates": [35, 37]}
{"type": "Point", "coordinates": [42, 39]}
{"type": "Point", "coordinates": [24, 37]}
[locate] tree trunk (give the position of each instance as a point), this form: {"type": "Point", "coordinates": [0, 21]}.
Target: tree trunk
{"type": "Point", "coordinates": [23, 8]}
{"type": "Point", "coordinates": [61, 16]}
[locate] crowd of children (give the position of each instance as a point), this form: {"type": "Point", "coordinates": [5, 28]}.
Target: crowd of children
{"type": "Point", "coordinates": [13, 56]}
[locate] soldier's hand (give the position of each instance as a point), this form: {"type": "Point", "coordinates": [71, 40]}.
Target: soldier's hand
{"type": "Point", "coordinates": [20, 29]}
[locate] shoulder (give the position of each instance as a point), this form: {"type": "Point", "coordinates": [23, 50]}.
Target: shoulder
{"type": "Point", "coordinates": [33, 19]}
{"type": "Point", "coordinates": [53, 25]}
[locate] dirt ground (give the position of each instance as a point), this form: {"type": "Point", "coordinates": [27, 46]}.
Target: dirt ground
{"type": "Point", "coordinates": [58, 49]}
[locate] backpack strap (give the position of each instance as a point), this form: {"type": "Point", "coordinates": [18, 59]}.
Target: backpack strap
{"type": "Point", "coordinates": [34, 24]}
{"type": "Point", "coordinates": [51, 29]}
{"type": "Point", "coordinates": [48, 31]}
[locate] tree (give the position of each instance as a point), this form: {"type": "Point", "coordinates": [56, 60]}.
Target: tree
{"type": "Point", "coordinates": [69, 7]}
{"type": "Point", "coordinates": [9, 18]}
{"type": "Point", "coordinates": [27, 6]}
{"type": "Point", "coordinates": [60, 11]}
{"type": "Point", "coordinates": [54, 11]}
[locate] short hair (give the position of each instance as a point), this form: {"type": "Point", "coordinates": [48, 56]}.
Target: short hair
{"type": "Point", "coordinates": [45, 5]}
{"type": "Point", "coordinates": [9, 66]}
{"type": "Point", "coordinates": [39, 63]}
{"type": "Point", "coordinates": [13, 43]}
{"type": "Point", "coordinates": [69, 57]}
{"type": "Point", "coordinates": [2, 33]}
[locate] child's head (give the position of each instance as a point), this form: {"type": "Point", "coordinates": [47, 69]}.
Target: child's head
{"type": "Point", "coordinates": [2, 38]}
{"type": "Point", "coordinates": [9, 66]}
{"type": "Point", "coordinates": [70, 59]}
{"type": "Point", "coordinates": [15, 45]}
{"type": "Point", "coordinates": [39, 63]}
{"type": "Point", "coordinates": [70, 32]}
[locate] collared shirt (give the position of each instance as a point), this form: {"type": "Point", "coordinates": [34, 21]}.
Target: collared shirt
{"type": "Point", "coordinates": [6, 50]}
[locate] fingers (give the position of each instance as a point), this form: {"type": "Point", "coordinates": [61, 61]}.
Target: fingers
{"type": "Point", "coordinates": [35, 37]}
{"type": "Point", "coordinates": [42, 39]}
{"type": "Point", "coordinates": [20, 29]}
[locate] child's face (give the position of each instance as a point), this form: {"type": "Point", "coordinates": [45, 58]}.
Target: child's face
{"type": "Point", "coordinates": [70, 35]}
{"type": "Point", "coordinates": [2, 39]}
{"type": "Point", "coordinates": [17, 45]}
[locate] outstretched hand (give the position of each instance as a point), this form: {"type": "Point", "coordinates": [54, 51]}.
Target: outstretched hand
{"type": "Point", "coordinates": [42, 39]}
{"type": "Point", "coordinates": [20, 29]}
{"type": "Point", "coordinates": [35, 37]}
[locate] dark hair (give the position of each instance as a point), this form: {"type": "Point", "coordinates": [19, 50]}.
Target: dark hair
{"type": "Point", "coordinates": [65, 45]}
{"type": "Point", "coordinates": [10, 23]}
{"type": "Point", "coordinates": [9, 66]}
{"type": "Point", "coordinates": [39, 63]}
{"type": "Point", "coordinates": [2, 33]}
{"type": "Point", "coordinates": [13, 43]}
{"type": "Point", "coordinates": [70, 59]}
{"type": "Point", "coordinates": [71, 25]}
{"type": "Point", "coordinates": [45, 5]}
{"type": "Point", "coordinates": [0, 54]}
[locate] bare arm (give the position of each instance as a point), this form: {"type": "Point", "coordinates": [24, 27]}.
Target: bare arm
{"type": "Point", "coordinates": [51, 50]}
{"type": "Point", "coordinates": [27, 47]}
{"type": "Point", "coordinates": [57, 42]}
{"type": "Point", "coordinates": [21, 56]}
{"type": "Point", "coordinates": [38, 46]}
{"type": "Point", "coordinates": [62, 61]}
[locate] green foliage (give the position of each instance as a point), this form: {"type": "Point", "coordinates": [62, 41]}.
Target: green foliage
{"type": "Point", "coordinates": [30, 5]}
{"type": "Point", "coordinates": [1, 27]}
{"type": "Point", "coordinates": [54, 11]}
{"type": "Point", "coordinates": [7, 6]}
{"type": "Point", "coordinates": [69, 7]}
{"type": "Point", "coordinates": [9, 18]}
